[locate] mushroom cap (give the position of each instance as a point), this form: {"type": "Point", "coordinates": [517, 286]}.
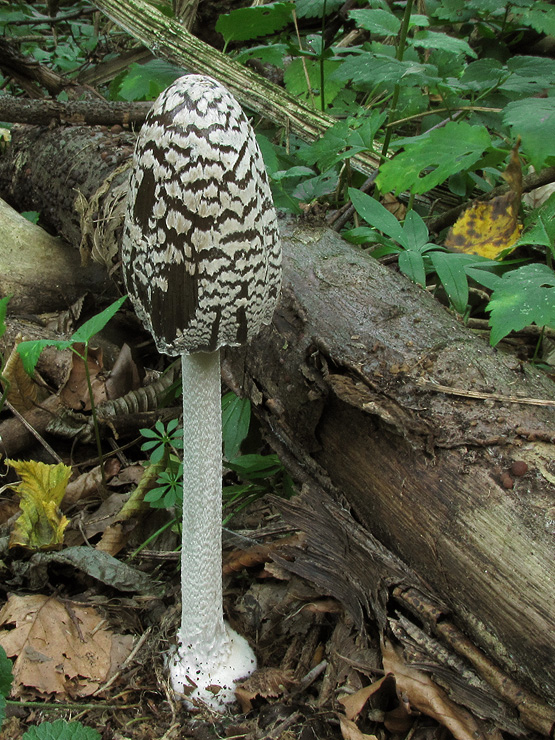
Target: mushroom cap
{"type": "Point", "coordinates": [201, 252]}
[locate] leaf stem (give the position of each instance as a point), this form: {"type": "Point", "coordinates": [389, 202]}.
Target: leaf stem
{"type": "Point", "coordinates": [96, 428]}
{"type": "Point", "coordinates": [401, 45]}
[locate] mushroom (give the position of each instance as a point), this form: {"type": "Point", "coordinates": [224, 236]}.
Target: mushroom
{"type": "Point", "coordinates": [202, 265]}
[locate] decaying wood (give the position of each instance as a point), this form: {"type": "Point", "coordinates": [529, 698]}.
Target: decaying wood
{"type": "Point", "coordinates": [91, 112]}
{"type": "Point", "coordinates": [349, 384]}
{"type": "Point", "coordinates": [27, 251]}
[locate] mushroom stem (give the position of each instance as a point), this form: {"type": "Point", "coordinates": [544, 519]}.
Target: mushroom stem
{"type": "Point", "coordinates": [209, 653]}
{"type": "Point", "coordinates": [201, 566]}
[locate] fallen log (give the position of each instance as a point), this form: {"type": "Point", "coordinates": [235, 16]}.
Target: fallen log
{"type": "Point", "coordinates": [437, 448]}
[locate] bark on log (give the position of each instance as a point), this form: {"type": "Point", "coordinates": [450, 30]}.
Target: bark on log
{"type": "Point", "coordinates": [346, 383]}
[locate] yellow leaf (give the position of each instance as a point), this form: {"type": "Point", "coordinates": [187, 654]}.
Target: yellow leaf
{"type": "Point", "coordinates": [41, 524]}
{"type": "Point", "coordinates": [488, 228]}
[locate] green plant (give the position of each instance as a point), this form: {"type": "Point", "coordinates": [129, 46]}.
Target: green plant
{"type": "Point", "coordinates": [410, 240]}
{"type": "Point", "coordinates": [258, 474]}
{"type": "Point", "coordinates": [30, 352]}
{"type": "Point", "coordinates": [163, 443]}
{"type": "Point", "coordinates": [60, 729]}
{"type": "Point", "coordinates": [5, 383]}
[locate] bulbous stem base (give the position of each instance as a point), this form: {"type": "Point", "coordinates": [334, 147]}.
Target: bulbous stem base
{"type": "Point", "coordinates": [211, 679]}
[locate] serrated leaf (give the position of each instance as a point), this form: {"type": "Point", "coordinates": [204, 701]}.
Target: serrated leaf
{"type": "Point", "coordinates": [94, 325]}
{"type": "Point", "coordinates": [146, 81]}
{"type": "Point", "coordinates": [371, 69]}
{"type": "Point", "coordinates": [41, 524]}
{"type": "Point", "coordinates": [243, 24]}
{"type": "Point", "coordinates": [524, 296]}
{"type": "Point", "coordinates": [541, 18]}
{"type": "Point", "coordinates": [430, 159]}
{"type": "Point", "coordinates": [442, 42]}
{"type": "Point", "coordinates": [61, 730]}
{"type": "Point", "coordinates": [540, 225]}
{"type": "Point", "coordinates": [315, 8]}
{"type": "Point", "coordinates": [296, 83]}
{"type": "Point", "coordinates": [331, 148]}
{"type": "Point", "coordinates": [381, 22]}
{"type": "Point", "coordinates": [483, 74]}
{"type": "Point", "coordinates": [533, 119]}
{"type": "Point", "coordinates": [268, 53]}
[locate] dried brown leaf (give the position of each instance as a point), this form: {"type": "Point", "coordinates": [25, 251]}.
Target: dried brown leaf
{"type": "Point", "coordinates": [266, 683]}
{"type": "Point", "coordinates": [417, 688]}
{"type": "Point", "coordinates": [75, 393]}
{"type": "Point", "coordinates": [23, 393]}
{"type": "Point", "coordinates": [59, 647]}
{"type": "Point", "coordinates": [124, 376]}
{"type": "Point", "coordinates": [88, 483]}
{"type": "Point", "coordinates": [354, 703]}
{"type": "Point", "coordinates": [350, 731]}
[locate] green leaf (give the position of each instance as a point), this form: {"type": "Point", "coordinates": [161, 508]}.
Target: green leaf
{"type": "Point", "coordinates": [376, 215]}
{"type": "Point", "coordinates": [236, 419]}
{"type": "Point", "coordinates": [450, 270]}
{"type": "Point", "coordinates": [251, 467]}
{"type": "Point", "coordinates": [61, 730]}
{"type": "Point", "coordinates": [443, 42]}
{"type": "Point", "coordinates": [243, 24]}
{"type": "Point", "coordinates": [523, 296]}
{"type": "Point", "coordinates": [411, 263]}
{"type": "Point", "coordinates": [539, 226]}
{"type": "Point", "coordinates": [415, 232]}
{"type": "Point", "coordinates": [370, 69]}
{"type": "Point", "coordinates": [296, 83]}
{"type": "Point", "coordinates": [381, 22]}
{"type": "Point", "coordinates": [483, 74]}
{"type": "Point", "coordinates": [315, 8]}
{"type": "Point", "coordinates": [31, 351]}
{"type": "Point", "coordinates": [533, 119]}
{"type": "Point", "coordinates": [432, 158]}
{"type": "Point", "coordinates": [32, 216]}
{"type": "Point", "coordinates": [483, 277]}
{"type": "Point", "coordinates": [145, 81]}
{"type": "Point", "coordinates": [269, 155]}
{"type": "Point", "coordinates": [94, 325]}
{"type": "Point", "coordinates": [6, 675]}
{"type": "Point", "coordinates": [269, 53]}
{"type": "Point", "coordinates": [541, 18]}
{"type": "Point", "coordinates": [3, 309]}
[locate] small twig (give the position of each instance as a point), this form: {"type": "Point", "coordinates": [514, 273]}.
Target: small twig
{"type": "Point", "coordinates": [339, 218]}
{"type": "Point", "coordinates": [310, 677]}
{"type": "Point", "coordinates": [279, 730]}
{"type": "Point", "coordinates": [433, 386]}
{"type": "Point", "coordinates": [34, 432]}
{"type": "Point", "coordinates": [125, 663]}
